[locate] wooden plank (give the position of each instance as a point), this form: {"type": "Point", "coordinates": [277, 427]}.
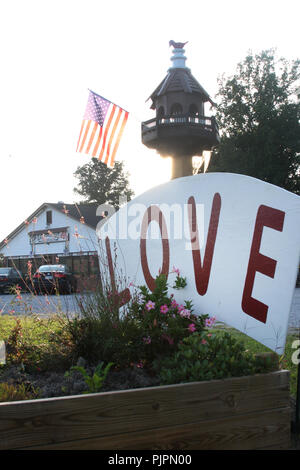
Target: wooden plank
{"type": "Point", "coordinates": [244, 432]}
{"type": "Point", "coordinates": [51, 421]}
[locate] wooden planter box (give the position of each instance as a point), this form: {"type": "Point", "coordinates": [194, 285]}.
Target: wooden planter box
{"type": "Point", "coordinates": [250, 412]}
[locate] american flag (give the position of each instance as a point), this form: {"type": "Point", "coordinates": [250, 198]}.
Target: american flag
{"type": "Point", "coordinates": [101, 129]}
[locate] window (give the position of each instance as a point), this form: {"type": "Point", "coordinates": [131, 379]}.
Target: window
{"type": "Point", "coordinates": [193, 110]}
{"type": "Point", "coordinates": [49, 217]}
{"type": "Point", "coordinates": [176, 108]}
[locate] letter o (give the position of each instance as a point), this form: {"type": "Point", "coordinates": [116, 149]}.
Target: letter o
{"type": "Point", "coordinates": [153, 213]}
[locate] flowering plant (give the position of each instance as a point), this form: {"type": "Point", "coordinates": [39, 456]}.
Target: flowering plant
{"type": "Point", "coordinates": [164, 322]}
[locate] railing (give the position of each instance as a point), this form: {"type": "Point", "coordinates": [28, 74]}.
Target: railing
{"type": "Point", "coordinates": [178, 119]}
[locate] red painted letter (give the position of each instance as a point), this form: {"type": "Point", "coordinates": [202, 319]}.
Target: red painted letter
{"type": "Point", "coordinates": [266, 217]}
{"type": "Point", "coordinates": [202, 273]}
{"type": "Point", "coordinates": [154, 213]}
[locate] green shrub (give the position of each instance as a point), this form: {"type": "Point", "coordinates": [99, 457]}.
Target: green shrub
{"type": "Point", "coordinates": [104, 339]}
{"type": "Point", "coordinates": [94, 381]}
{"type": "Point", "coordinates": [208, 356]}
{"type": "Point", "coordinates": [39, 345]}
{"type": "Point", "coordinates": [10, 392]}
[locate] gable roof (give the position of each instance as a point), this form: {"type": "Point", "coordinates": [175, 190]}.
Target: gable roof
{"type": "Point", "coordinates": [75, 211]}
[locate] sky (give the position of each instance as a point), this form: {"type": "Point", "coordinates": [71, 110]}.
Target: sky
{"type": "Point", "coordinates": [52, 52]}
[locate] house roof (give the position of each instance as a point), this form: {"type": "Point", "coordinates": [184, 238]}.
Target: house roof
{"type": "Point", "coordinates": [75, 211]}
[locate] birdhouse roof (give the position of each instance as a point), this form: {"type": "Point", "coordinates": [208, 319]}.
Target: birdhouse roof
{"type": "Point", "coordinates": [179, 79]}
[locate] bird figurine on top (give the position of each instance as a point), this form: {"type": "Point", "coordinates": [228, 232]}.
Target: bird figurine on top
{"type": "Point", "coordinates": [177, 45]}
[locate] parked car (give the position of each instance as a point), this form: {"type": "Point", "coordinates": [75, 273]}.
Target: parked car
{"type": "Point", "coordinates": [10, 278]}
{"type": "Point", "coordinates": [54, 277]}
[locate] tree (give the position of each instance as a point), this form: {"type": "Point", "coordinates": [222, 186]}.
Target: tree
{"type": "Point", "coordinates": [259, 122]}
{"type": "Point", "coordinates": [98, 183]}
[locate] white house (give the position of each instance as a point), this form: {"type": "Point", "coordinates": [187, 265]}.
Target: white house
{"type": "Point", "coordinates": [55, 233]}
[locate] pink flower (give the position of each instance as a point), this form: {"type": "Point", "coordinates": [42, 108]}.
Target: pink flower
{"type": "Point", "coordinates": [164, 309]}
{"type": "Point", "coordinates": [176, 270]}
{"type": "Point", "coordinates": [147, 340]}
{"type": "Point", "coordinates": [150, 305]}
{"type": "Point", "coordinates": [192, 327]}
{"type": "Point", "coordinates": [180, 308]}
{"type": "Point", "coordinates": [209, 322]}
{"type": "Point", "coordinates": [139, 364]}
{"type": "Point", "coordinates": [185, 313]}
{"type": "Point", "coordinates": [203, 341]}
{"type": "Point", "coordinates": [174, 304]}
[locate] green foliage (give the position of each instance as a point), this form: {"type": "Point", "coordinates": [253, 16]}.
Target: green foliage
{"type": "Point", "coordinates": [98, 183]}
{"type": "Point", "coordinates": [259, 123]}
{"type": "Point", "coordinates": [11, 392]}
{"type": "Point", "coordinates": [104, 338]}
{"type": "Point", "coordinates": [208, 356]}
{"type": "Point", "coordinates": [180, 282]}
{"type": "Point", "coordinates": [95, 381]}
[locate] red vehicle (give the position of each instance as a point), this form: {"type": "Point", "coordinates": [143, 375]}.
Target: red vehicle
{"type": "Point", "coordinates": [52, 278]}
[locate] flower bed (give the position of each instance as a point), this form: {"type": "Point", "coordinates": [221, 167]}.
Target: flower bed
{"type": "Point", "coordinates": [199, 380]}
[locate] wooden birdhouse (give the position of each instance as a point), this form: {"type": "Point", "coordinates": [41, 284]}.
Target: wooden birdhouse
{"type": "Point", "coordinates": [180, 128]}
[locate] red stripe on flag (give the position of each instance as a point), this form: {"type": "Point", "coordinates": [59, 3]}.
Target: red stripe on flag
{"type": "Point", "coordinates": [112, 135]}
{"type": "Point", "coordinates": [118, 139]}
{"type": "Point", "coordinates": [106, 130]}
{"type": "Point", "coordinates": [85, 135]}
{"type": "Point", "coordinates": [97, 143]}
{"type": "Point", "coordinates": [82, 126]}
{"type": "Point", "coordinates": [96, 125]}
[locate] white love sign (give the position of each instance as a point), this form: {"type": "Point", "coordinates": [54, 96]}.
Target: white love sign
{"type": "Point", "coordinates": [236, 239]}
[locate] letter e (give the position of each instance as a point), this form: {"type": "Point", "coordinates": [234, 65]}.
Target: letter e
{"type": "Point", "coordinates": [266, 217]}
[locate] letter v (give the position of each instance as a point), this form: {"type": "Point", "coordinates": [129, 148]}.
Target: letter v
{"type": "Point", "coordinates": [202, 272]}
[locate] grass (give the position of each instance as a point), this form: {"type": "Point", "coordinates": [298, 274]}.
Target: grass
{"type": "Point", "coordinates": [39, 332]}
{"type": "Point", "coordinates": [35, 330]}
